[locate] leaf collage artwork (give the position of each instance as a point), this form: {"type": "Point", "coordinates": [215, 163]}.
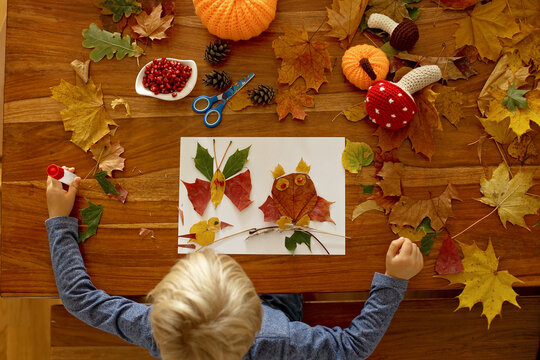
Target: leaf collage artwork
{"type": "Point", "coordinates": [295, 213]}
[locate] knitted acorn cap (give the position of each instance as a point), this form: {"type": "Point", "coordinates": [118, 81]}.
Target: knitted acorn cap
{"type": "Point", "coordinates": [403, 36]}
{"type": "Point", "coordinates": [236, 19]}
{"type": "Point", "coordinates": [391, 105]}
{"type": "Point", "coordinates": [362, 65]}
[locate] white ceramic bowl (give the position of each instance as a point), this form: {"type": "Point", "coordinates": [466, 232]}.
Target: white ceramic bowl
{"type": "Point", "coordinates": [190, 84]}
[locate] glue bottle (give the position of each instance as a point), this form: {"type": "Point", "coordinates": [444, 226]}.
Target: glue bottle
{"type": "Point", "coordinates": [60, 174]}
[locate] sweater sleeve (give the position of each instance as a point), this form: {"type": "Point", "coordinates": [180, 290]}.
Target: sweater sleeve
{"type": "Point", "coordinates": [361, 338]}
{"type": "Point", "coordinates": [114, 314]}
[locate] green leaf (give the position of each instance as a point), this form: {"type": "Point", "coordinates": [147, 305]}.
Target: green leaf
{"type": "Point", "coordinates": [235, 162]}
{"type": "Point", "coordinates": [425, 225]}
{"type": "Point", "coordinates": [119, 7]}
{"type": "Point", "coordinates": [368, 189]}
{"type": "Point", "coordinates": [388, 50]}
{"type": "Point", "coordinates": [204, 162]}
{"type": "Point", "coordinates": [427, 242]}
{"type": "Point", "coordinates": [91, 216]}
{"type": "Point", "coordinates": [515, 98]}
{"type": "Point", "coordinates": [356, 155]}
{"type": "Point", "coordinates": [105, 184]}
{"type": "Point", "coordinates": [107, 44]}
{"type": "Point", "coordinates": [297, 238]}
{"type": "Point", "coordinates": [414, 12]}
{"type": "Point", "coordinates": [537, 224]}
{"type": "Point", "coordinates": [411, 1]}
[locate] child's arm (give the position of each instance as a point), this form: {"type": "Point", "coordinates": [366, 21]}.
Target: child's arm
{"type": "Point", "coordinates": [403, 261]}
{"type": "Point", "coordinates": [114, 314]}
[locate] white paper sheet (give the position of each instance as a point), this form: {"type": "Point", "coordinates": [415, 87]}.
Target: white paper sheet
{"type": "Point", "coordinates": [323, 154]}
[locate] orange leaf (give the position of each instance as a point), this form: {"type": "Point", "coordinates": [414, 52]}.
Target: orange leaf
{"type": "Point", "coordinates": [344, 19]}
{"type": "Point", "coordinates": [240, 101]}
{"type": "Point", "coordinates": [421, 127]}
{"type": "Point", "coordinates": [291, 100]}
{"type": "Point", "coordinates": [301, 57]}
{"type": "Point", "coordinates": [153, 26]}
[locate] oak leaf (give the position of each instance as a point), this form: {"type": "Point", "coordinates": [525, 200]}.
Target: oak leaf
{"type": "Point", "coordinates": [85, 114]}
{"type": "Point", "coordinates": [449, 103]}
{"type": "Point", "coordinates": [519, 120]}
{"type": "Point", "coordinates": [107, 155]}
{"type": "Point", "coordinates": [412, 212]}
{"type": "Point", "coordinates": [292, 100]}
{"type": "Point", "coordinates": [344, 19]}
{"type": "Point", "coordinates": [483, 281]}
{"type": "Point", "coordinates": [391, 174]}
{"type": "Point", "coordinates": [119, 8]}
{"type": "Point", "coordinates": [105, 43]}
{"type": "Point", "coordinates": [365, 206]}
{"type": "Point", "coordinates": [483, 28]}
{"type": "Point", "coordinates": [509, 196]}
{"type": "Point", "coordinates": [395, 9]}
{"type": "Point", "coordinates": [355, 155]}
{"type": "Point", "coordinates": [153, 26]}
{"type": "Point", "coordinates": [301, 57]}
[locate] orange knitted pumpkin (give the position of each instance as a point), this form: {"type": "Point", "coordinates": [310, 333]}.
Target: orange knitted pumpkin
{"type": "Point", "coordinates": [236, 19]}
{"type": "Point", "coordinates": [364, 64]}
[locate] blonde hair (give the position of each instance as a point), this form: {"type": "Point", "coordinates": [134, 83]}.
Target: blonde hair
{"type": "Point", "coordinates": [205, 308]}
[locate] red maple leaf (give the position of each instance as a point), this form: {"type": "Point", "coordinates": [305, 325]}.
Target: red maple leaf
{"type": "Point", "coordinates": [321, 211]}
{"type": "Point", "coordinates": [238, 188]}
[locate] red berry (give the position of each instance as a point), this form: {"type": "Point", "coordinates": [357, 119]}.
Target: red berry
{"type": "Point", "coordinates": [174, 94]}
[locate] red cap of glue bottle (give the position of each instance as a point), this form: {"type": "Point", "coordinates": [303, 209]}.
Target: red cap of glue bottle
{"type": "Point", "coordinates": [60, 174]}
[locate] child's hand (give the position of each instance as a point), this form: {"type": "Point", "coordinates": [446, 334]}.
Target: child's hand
{"type": "Point", "coordinates": [59, 201]}
{"type": "Point", "coordinates": [403, 259]}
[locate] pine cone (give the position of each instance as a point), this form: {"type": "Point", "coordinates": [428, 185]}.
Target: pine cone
{"type": "Point", "coordinates": [261, 95]}
{"type": "Point", "coordinates": [217, 51]}
{"type": "Point", "coordinates": [218, 79]}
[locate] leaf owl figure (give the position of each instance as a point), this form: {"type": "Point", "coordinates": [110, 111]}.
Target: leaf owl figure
{"type": "Point", "coordinates": [294, 199]}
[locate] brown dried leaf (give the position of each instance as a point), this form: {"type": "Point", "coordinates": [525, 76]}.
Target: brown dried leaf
{"type": "Point", "coordinates": [356, 112]}
{"type": "Point", "coordinates": [499, 131]}
{"type": "Point", "coordinates": [153, 26]}
{"type": "Point", "coordinates": [365, 206]}
{"type": "Point", "coordinates": [344, 19]}
{"type": "Point", "coordinates": [391, 174]}
{"type": "Point", "coordinates": [108, 155]}
{"type": "Point", "coordinates": [447, 65]}
{"type": "Point", "coordinates": [523, 149]}
{"type": "Point", "coordinates": [449, 103]}
{"type": "Point", "coordinates": [386, 202]}
{"type": "Point", "coordinates": [394, 9]}
{"type": "Point", "coordinates": [81, 69]}
{"type": "Point", "coordinates": [240, 100]}
{"type": "Point", "coordinates": [292, 100]}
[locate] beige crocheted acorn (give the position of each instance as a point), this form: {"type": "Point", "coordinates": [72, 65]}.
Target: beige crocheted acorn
{"type": "Point", "coordinates": [236, 19]}
{"type": "Point", "coordinates": [403, 36]}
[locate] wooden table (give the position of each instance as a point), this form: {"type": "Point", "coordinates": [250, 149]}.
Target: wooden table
{"type": "Point", "coordinates": [43, 38]}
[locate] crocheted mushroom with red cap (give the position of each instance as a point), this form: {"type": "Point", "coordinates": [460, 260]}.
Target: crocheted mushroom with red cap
{"type": "Point", "coordinates": [403, 36]}
{"type": "Point", "coordinates": [391, 105]}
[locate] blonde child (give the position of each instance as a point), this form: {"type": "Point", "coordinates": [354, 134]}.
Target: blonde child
{"type": "Point", "coordinates": [207, 308]}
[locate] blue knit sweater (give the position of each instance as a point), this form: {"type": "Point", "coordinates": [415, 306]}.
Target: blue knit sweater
{"type": "Point", "coordinates": [279, 338]}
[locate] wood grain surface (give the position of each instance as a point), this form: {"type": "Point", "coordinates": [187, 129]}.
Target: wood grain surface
{"type": "Point", "coordinates": [44, 37]}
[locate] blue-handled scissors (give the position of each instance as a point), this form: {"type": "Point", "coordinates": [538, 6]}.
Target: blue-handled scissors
{"type": "Point", "coordinates": [221, 99]}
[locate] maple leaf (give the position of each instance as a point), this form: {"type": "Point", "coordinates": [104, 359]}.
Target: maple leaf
{"type": "Point", "coordinates": [526, 42]}
{"type": "Point", "coordinates": [452, 68]}
{"type": "Point", "coordinates": [448, 261]}
{"type": "Point", "coordinates": [391, 139]}
{"type": "Point", "coordinates": [107, 155]}
{"type": "Point", "coordinates": [238, 189]}
{"type": "Point", "coordinates": [411, 212]}
{"type": "Point", "coordinates": [519, 120]}
{"type": "Point", "coordinates": [509, 196]}
{"type": "Point", "coordinates": [391, 174]}
{"type": "Point", "coordinates": [81, 69]}
{"type": "Point", "coordinates": [107, 186]}
{"type": "Point", "coordinates": [153, 26]}
{"type": "Point", "coordinates": [122, 193]}
{"type": "Point", "coordinates": [456, 4]}
{"type": "Point", "coordinates": [528, 10]}
{"type": "Point", "coordinates": [449, 103]}
{"type": "Point", "coordinates": [270, 210]}
{"type": "Point", "coordinates": [344, 19]}
{"type": "Point", "coordinates": [365, 206]}
{"type": "Point", "coordinates": [199, 194]}
{"type": "Point", "coordinates": [240, 100]}
{"type": "Point", "coordinates": [321, 211]}
{"type": "Point", "coordinates": [515, 98]}
{"type": "Point", "coordinates": [483, 281]}
{"type": "Point", "coordinates": [119, 8]}
{"type": "Point", "coordinates": [301, 57]}
{"type": "Point", "coordinates": [483, 28]}
{"type": "Point", "coordinates": [499, 130]}
{"type": "Point", "coordinates": [107, 44]}
{"type": "Point", "coordinates": [394, 9]}
{"type": "Point", "coordinates": [85, 114]}
{"type": "Point", "coordinates": [90, 216]}
{"type": "Point", "coordinates": [523, 149]}
{"type": "Point", "coordinates": [408, 232]}
{"type": "Point", "coordinates": [356, 112]}
{"type": "Point", "coordinates": [121, 101]}
{"type": "Point", "coordinates": [292, 100]}
{"type": "Point", "coordinates": [355, 155]}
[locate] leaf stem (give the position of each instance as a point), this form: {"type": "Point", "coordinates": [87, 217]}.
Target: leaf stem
{"type": "Point", "coordinates": [215, 157]}
{"type": "Point", "coordinates": [223, 158]}
{"type": "Point", "coordinates": [504, 159]}
{"type": "Point", "coordinates": [474, 223]}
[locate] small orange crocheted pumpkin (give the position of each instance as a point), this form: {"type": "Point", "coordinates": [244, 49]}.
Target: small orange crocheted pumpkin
{"type": "Point", "coordinates": [236, 19]}
{"type": "Point", "coordinates": [364, 64]}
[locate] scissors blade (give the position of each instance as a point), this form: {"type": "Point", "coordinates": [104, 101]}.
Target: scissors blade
{"type": "Point", "coordinates": [237, 87]}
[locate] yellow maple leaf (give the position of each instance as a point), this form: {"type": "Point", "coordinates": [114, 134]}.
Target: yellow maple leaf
{"type": "Point", "coordinates": [520, 118]}
{"type": "Point", "coordinates": [499, 131]}
{"type": "Point", "coordinates": [526, 42]}
{"type": "Point", "coordinates": [408, 232]}
{"type": "Point", "coordinates": [240, 101]}
{"type": "Point", "coordinates": [344, 19]}
{"type": "Point", "coordinates": [302, 166]}
{"type": "Point", "coordinates": [483, 282]}
{"type": "Point", "coordinates": [483, 27]}
{"type": "Point", "coordinates": [509, 196]}
{"type": "Point", "coordinates": [278, 171]}
{"type": "Point", "coordinates": [301, 57]}
{"type": "Point", "coordinates": [394, 9]}
{"type": "Point", "coordinates": [153, 26]}
{"type": "Point", "coordinates": [85, 114]}
{"type": "Point", "coordinates": [525, 9]}
{"type": "Point", "coordinates": [284, 222]}
{"type": "Point", "coordinates": [292, 100]}
{"type": "Point", "coordinates": [107, 155]}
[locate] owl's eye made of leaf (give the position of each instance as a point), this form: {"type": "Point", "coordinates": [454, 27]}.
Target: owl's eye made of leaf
{"type": "Point", "coordinates": [282, 184]}
{"type": "Point", "coordinates": [300, 179]}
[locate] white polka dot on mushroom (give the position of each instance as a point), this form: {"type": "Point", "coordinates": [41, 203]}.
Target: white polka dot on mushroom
{"type": "Point", "coordinates": [390, 100]}
{"type": "Point", "coordinates": [381, 88]}
{"type": "Point", "coordinates": [393, 115]}
{"type": "Point", "coordinates": [376, 111]}
{"type": "Point", "coordinates": [388, 124]}
{"type": "Point", "coordinates": [399, 94]}
{"type": "Point", "coordinates": [367, 99]}
{"type": "Point", "coordinates": [404, 109]}
{"type": "Point", "coordinates": [404, 121]}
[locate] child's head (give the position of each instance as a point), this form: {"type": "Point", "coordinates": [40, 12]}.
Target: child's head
{"type": "Point", "coordinates": [205, 308]}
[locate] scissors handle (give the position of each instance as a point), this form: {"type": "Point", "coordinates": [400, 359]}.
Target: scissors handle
{"type": "Point", "coordinates": [209, 100]}
{"type": "Point", "coordinates": [217, 110]}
